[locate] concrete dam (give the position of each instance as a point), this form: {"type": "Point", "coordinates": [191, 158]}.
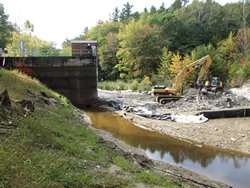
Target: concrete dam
{"type": "Point", "coordinates": [73, 77]}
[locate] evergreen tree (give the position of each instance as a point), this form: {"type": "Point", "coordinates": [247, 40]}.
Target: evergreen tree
{"type": "Point", "coordinates": [126, 12]}
{"type": "Point", "coordinates": [115, 15]}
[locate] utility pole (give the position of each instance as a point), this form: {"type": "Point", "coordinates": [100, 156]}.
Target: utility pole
{"type": "Point", "coordinates": [4, 52]}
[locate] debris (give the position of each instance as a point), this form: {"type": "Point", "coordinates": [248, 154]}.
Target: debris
{"type": "Point", "coordinates": [151, 112]}
{"type": "Point", "coordinates": [5, 99]}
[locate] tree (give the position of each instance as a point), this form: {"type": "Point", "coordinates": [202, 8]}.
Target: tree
{"type": "Point", "coordinates": [231, 18]}
{"type": "Point", "coordinates": [140, 49]}
{"type": "Point", "coordinates": [203, 20]}
{"type": "Point", "coordinates": [115, 15]}
{"type": "Point", "coordinates": [100, 31]}
{"type": "Point", "coordinates": [176, 66]}
{"type": "Point", "coordinates": [28, 27]}
{"type": "Point", "coordinates": [217, 67]}
{"type": "Point", "coordinates": [175, 32]}
{"type": "Point", "coordinates": [245, 18]}
{"type": "Point", "coordinates": [176, 5]}
{"type": "Point", "coordinates": [108, 59]}
{"type": "Point", "coordinates": [163, 70]}
{"type": "Point", "coordinates": [162, 8]}
{"type": "Point", "coordinates": [228, 50]}
{"type": "Point", "coordinates": [246, 67]}
{"type": "Point", "coordinates": [31, 46]}
{"type": "Point", "coordinates": [153, 10]}
{"type": "Point", "coordinates": [47, 49]}
{"type": "Point", "coordinates": [184, 2]}
{"type": "Point", "coordinates": [5, 28]}
{"type": "Point", "coordinates": [126, 12]}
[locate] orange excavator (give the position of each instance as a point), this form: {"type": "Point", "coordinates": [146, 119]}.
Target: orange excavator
{"type": "Point", "coordinates": [164, 95]}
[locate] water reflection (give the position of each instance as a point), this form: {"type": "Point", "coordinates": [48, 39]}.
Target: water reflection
{"type": "Point", "coordinates": [220, 165]}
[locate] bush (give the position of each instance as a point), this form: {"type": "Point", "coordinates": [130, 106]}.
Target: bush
{"type": "Point", "coordinates": [107, 85]}
{"type": "Point", "coordinates": [134, 85]}
{"type": "Point", "coordinates": [145, 85]}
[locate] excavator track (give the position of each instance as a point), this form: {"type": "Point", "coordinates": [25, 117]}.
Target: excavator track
{"type": "Point", "coordinates": [164, 100]}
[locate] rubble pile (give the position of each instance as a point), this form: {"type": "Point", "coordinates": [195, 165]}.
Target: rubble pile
{"type": "Point", "coordinates": [231, 98]}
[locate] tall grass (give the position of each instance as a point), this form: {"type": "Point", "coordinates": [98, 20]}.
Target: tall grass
{"type": "Point", "coordinates": [133, 85]}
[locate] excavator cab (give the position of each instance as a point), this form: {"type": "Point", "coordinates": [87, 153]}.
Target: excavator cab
{"type": "Point", "coordinates": [215, 81]}
{"type": "Point", "coordinates": [214, 84]}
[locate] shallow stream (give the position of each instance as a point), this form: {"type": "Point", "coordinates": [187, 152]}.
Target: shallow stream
{"type": "Point", "coordinates": [232, 169]}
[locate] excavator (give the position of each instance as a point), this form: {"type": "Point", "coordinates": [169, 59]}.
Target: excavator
{"type": "Point", "coordinates": [164, 95]}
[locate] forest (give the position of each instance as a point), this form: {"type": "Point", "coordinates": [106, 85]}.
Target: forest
{"type": "Point", "coordinates": [152, 46]}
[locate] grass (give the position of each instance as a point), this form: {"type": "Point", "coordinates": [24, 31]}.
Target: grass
{"type": "Point", "coordinates": [52, 148]}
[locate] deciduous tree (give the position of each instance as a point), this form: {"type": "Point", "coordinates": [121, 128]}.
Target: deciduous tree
{"type": "Point", "coordinates": [140, 49]}
{"type": "Point", "coordinates": [108, 59]}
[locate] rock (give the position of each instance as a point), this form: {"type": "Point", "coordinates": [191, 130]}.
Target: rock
{"type": "Point", "coordinates": [233, 139]}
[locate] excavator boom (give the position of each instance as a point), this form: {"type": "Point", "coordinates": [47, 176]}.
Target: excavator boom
{"type": "Point", "coordinates": [204, 63]}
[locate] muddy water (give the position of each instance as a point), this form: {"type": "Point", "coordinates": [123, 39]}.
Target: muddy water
{"type": "Point", "coordinates": [219, 165]}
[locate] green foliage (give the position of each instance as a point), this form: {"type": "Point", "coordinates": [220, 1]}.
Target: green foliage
{"type": "Point", "coordinates": [108, 59]}
{"type": "Point", "coordinates": [126, 13]}
{"type": "Point", "coordinates": [217, 68]}
{"type": "Point", "coordinates": [5, 27]}
{"type": "Point", "coordinates": [163, 74]}
{"type": "Point", "coordinates": [145, 85]}
{"type": "Point", "coordinates": [176, 5]}
{"type": "Point", "coordinates": [32, 46]}
{"type": "Point", "coordinates": [29, 27]}
{"type": "Point", "coordinates": [107, 85]}
{"type": "Point", "coordinates": [202, 21]}
{"type": "Point", "coordinates": [175, 66]}
{"type": "Point", "coordinates": [111, 85]}
{"type": "Point", "coordinates": [246, 68]}
{"type": "Point", "coordinates": [66, 51]}
{"type": "Point", "coordinates": [139, 52]}
{"type": "Point", "coordinates": [134, 85]}
{"type": "Point", "coordinates": [101, 31]}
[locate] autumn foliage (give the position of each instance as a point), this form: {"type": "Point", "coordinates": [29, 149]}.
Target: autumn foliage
{"type": "Point", "coordinates": [20, 67]}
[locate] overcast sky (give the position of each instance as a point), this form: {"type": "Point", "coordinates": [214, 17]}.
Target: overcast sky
{"type": "Point", "coordinates": [56, 20]}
